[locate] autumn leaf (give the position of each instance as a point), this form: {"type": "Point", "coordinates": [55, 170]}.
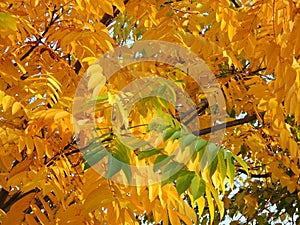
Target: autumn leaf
{"type": "Point", "coordinates": [7, 21]}
{"type": "Point", "coordinates": [86, 138]}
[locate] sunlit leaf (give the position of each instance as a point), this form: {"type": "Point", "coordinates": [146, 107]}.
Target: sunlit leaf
{"type": "Point", "coordinates": [197, 187]}
{"type": "Point", "coordinates": [7, 21]}
{"type": "Point", "coordinates": [184, 181]}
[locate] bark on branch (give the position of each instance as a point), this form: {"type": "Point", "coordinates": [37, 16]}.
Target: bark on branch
{"type": "Point", "coordinates": [264, 175]}
{"type": "Point", "coordinates": [39, 40]}
{"type": "Point", "coordinates": [228, 124]}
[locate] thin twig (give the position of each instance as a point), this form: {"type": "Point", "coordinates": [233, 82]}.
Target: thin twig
{"type": "Point", "coordinates": [52, 21]}
{"type": "Point", "coordinates": [185, 11]}
{"type": "Point", "coordinates": [264, 175]}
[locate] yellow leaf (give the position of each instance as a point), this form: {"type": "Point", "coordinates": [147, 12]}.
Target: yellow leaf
{"type": "Point", "coordinates": [173, 217]}
{"type": "Point", "coordinates": [158, 211]}
{"type": "Point", "coordinates": [40, 148]}
{"type": "Point", "coordinates": [107, 7]}
{"type": "Point", "coordinates": [120, 5]}
{"type": "Point", "coordinates": [273, 103]}
{"type": "Point", "coordinates": [231, 31]}
{"type": "Point", "coordinates": [61, 115]}
{"type": "Point", "coordinates": [292, 183]}
{"type": "Point", "coordinates": [89, 60]}
{"type": "Point", "coordinates": [296, 32]}
{"type": "Point", "coordinates": [7, 102]}
{"type": "Point", "coordinates": [223, 25]}
{"type": "Point", "coordinates": [41, 216]}
{"type": "Point", "coordinates": [187, 220]}
{"type": "Point", "coordinates": [201, 205]}
{"type": "Point", "coordinates": [97, 199]}
{"type": "Point", "coordinates": [22, 68]}
{"type": "Point", "coordinates": [70, 37]}
{"type": "Point", "coordinates": [30, 219]}
{"type": "Point", "coordinates": [189, 211]}
{"type": "Point", "coordinates": [218, 17]}
{"type": "Point", "coordinates": [55, 83]}
{"type": "Point", "coordinates": [96, 76]}
{"type": "Point", "coordinates": [2, 214]}
{"type": "Point", "coordinates": [80, 4]}
{"type": "Point", "coordinates": [29, 144]}
{"type": "Point", "coordinates": [21, 144]}
{"type": "Point", "coordinates": [54, 95]}
{"type": "Point", "coordinates": [95, 68]}
{"type": "Point", "coordinates": [36, 2]}
{"type": "Point", "coordinates": [22, 166]}
{"type": "Point", "coordinates": [219, 203]}
{"type": "Point", "coordinates": [17, 179]}
{"type": "Point", "coordinates": [7, 21]}
{"type": "Point", "coordinates": [153, 191]}
{"type": "Point", "coordinates": [99, 87]}
{"type": "Point", "coordinates": [2, 94]}
{"type": "Point", "coordinates": [293, 148]}
{"type": "Point", "coordinates": [46, 206]}
{"type": "Point", "coordinates": [16, 213]}
{"type": "Point", "coordinates": [16, 108]}
{"type": "Point", "coordinates": [284, 138]}
{"type": "Point", "coordinates": [211, 207]}
{"type": "Point", "coordinates": [56, 187]}
{"type": "Point", "coordinates": [251, 200]}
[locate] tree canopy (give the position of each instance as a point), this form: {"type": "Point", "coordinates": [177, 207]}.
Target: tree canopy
{"type": "Point", "coordinates": [225, 151]}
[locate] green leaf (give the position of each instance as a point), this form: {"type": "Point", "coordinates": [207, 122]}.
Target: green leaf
{"type": "Point", "coordinates": [222, 164]}
{"type": "Point", "coordinates": [91, 158]}
{"type": "Point", "coordinates": [163, 102]}
{"type": "Point", "coordinates": [169, 132]}
{"type": "Point", "coordinates": [230, 170]}
{"type": "Point", "coordinates": [160, 91]}
{"type": "Point", "coordinates": [99, 99]}
{"type": "Point", "coordinates": [171, 169]}
{"type": "Point", "coordinates": [188, 140]}
{"type": "Point", "coordinates": [243, 149]}
{"type": "Point", "coordinates": [114, 166]}
{"type": "Point", "coordinates": [184, 181]}
{"type": "Point", "coordinates": [161, 161]}
{"type": "Point", "coordinates": [170, 93]}
{"type": "Point", "coordinates": [156, 103]}
{"type": "Point", "coordinates": [157, 124]}
{"type": "Point", "coordinates": [93, 148]}
{"type": "Point", "coordinates": [127, 171]}
{"type": "Point", "coordinates": [160, 158]}
{"type": "Point", "coordinates": [102, 97]}
{"type": "Point", "coordinates": [241, 162]}
{"type": "Point", "coordinates": [121, 153]}
{"type": "Point", "coordinates": [105, 135]}
{"type": "Point", "coordinates": [232, 113]}
{"type": "Point", "coordinates": [209, 155]}
{"type": "Point", "coordinates": [197, 187]}
{"type": "Point", "coordinates": [213, 166]}
{"type": "Point", "coordinates": [147, 153]}
{"type": "Point", "coordinates": [200, 144]}
{"type": "Point", "coordinates": [176, 135]}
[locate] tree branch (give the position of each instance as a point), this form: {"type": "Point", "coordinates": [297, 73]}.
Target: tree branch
{"type": "Point", "coordinates": [256, 71]}
{"type": "Point", "coordinates": [39, 40]}
{"type": "Point", "coordinates": [228, 124]}
{"type": "Point", "coordinates": [264, 175]}
{"type": "Point", "coordinates": [16, 197]}
{"type": "Point", "coordinates": [200, 108]}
